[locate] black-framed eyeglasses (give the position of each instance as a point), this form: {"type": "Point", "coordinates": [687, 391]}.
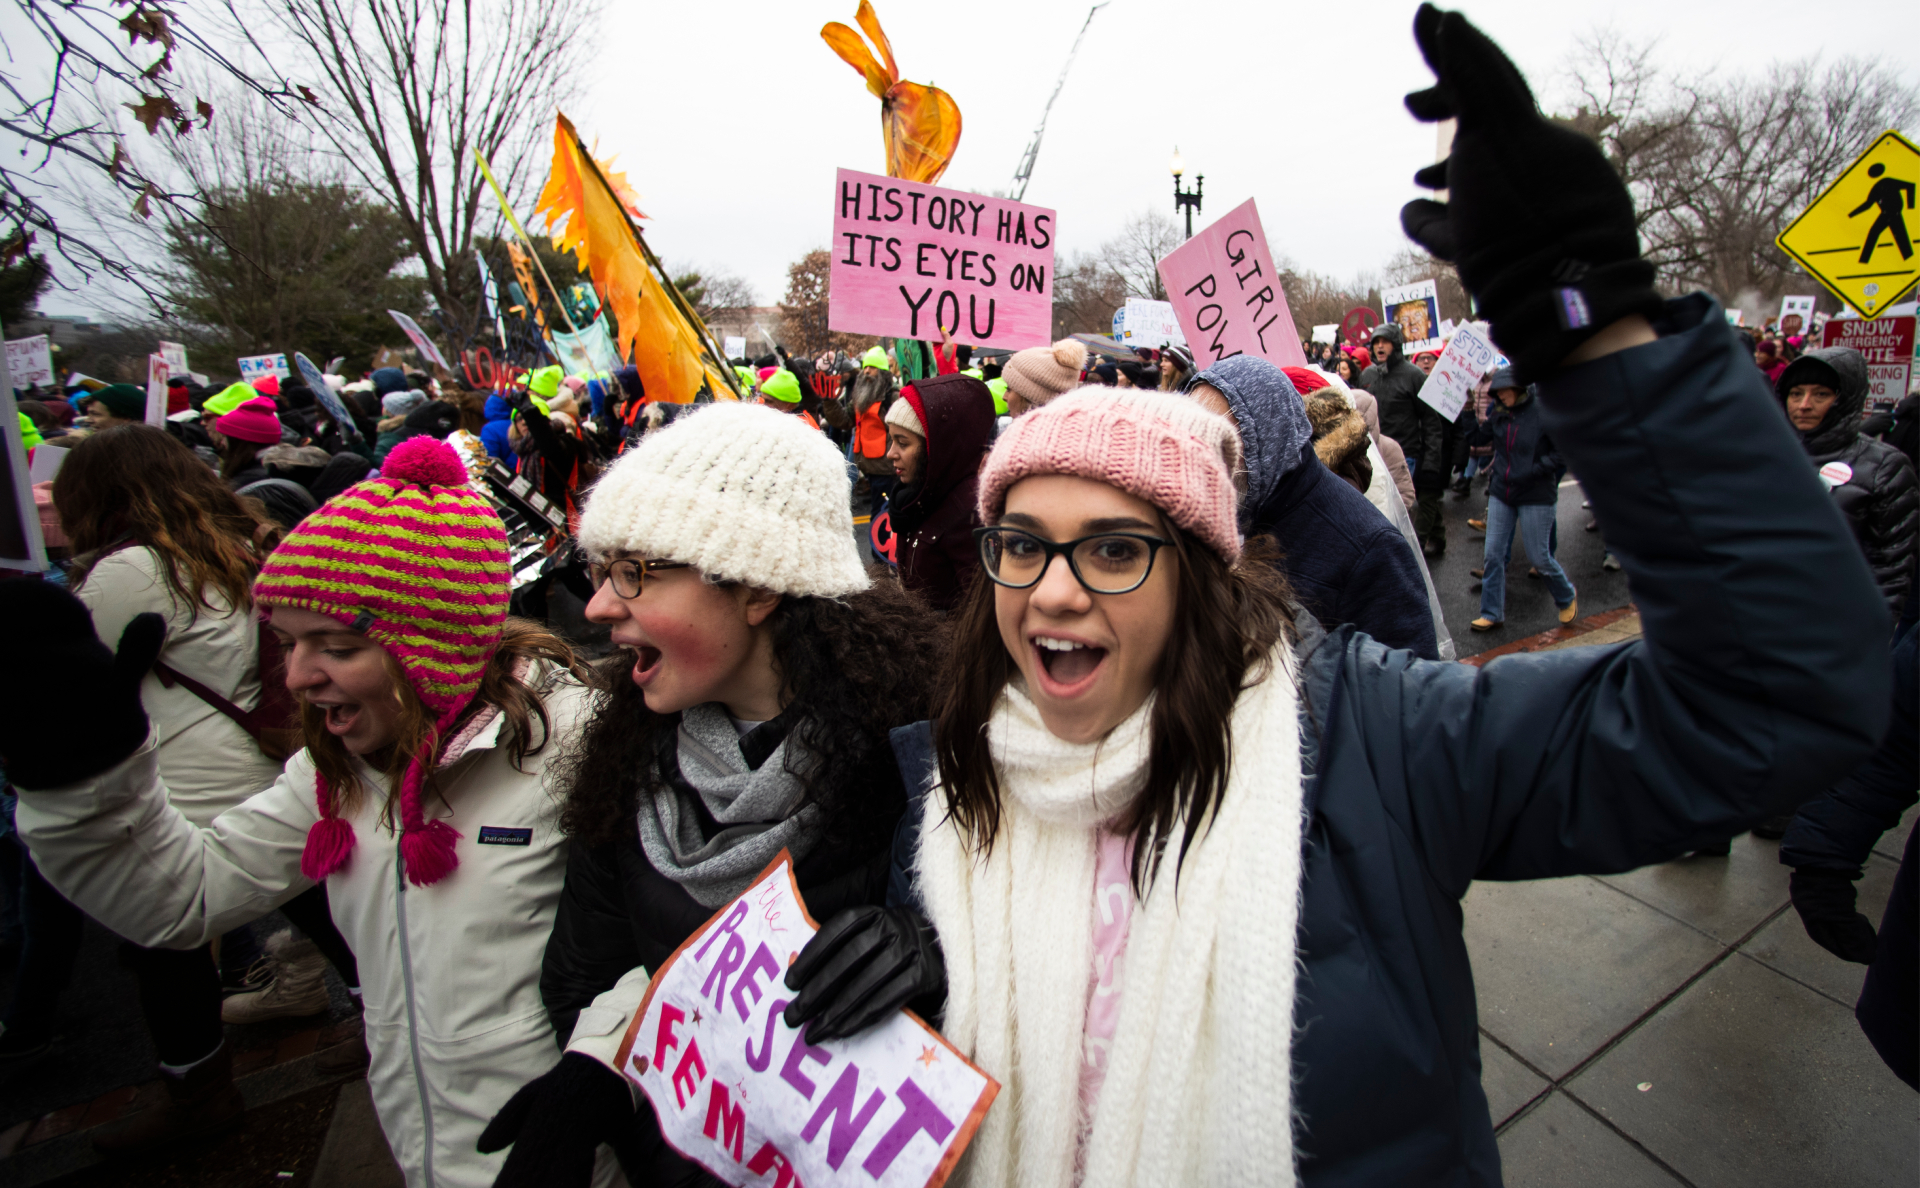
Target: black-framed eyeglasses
{"type": "Point", "coordinates": [1107, 563]}
{"type": "Point", "coordinates": [629, 574]}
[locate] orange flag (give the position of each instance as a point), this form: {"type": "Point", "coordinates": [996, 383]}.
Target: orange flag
{"type": "Point", "coordinates": [920, 124]}
{"type": "Point", "coordinates": [667, 342]}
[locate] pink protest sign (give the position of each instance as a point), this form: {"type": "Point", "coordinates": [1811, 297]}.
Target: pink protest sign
{"type": "Point", "coordinates": [1227, 295]}
{"type": "Point", "coordinates": [910, 260]}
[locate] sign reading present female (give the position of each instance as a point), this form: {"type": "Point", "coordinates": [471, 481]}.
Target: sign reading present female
{"type": "Point", "coordinates": [911, 260]}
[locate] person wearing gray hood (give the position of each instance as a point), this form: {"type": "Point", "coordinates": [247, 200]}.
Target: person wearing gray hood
{"type": "Point", "coordinates": [1824, 394]}
{"type": "Point", "coordinates": [1346, 562]}
{"type": "Point", "coordinates": [1424, 435]}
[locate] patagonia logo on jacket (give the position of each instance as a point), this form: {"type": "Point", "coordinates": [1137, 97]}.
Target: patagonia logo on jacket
{"type": "Point", "coordinates": [500, 835]}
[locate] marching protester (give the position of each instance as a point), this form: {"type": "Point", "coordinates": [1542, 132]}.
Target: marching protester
{"type": "Point", "coordinates": [938, 430]}
{"type": "Point", "coordinates": [1523, 497]}
{"type": "Point", "coordinates": [1124, 703]}
{"type": "Point", "coordinates": [419, 801]}
{"type": "Point", "coordinates": [1824, 394]}
{"type": "Point", "coordinates": [760, 671]}
{"type": "Point", "coordinates": [1420, 430]}
{"type": "Point", "coordinates": [241, 435]}
{"type": "Point", "coordinates": [1344, 561]}
{"type": "Point", "coordinates": [872, 394]}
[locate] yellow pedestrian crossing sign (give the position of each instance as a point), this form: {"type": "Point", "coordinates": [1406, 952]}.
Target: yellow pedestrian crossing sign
{"type": "Point", "coordinates": [1858, 236]}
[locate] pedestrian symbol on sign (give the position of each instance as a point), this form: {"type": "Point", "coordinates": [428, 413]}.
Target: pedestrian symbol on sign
{"type": "Point", "coordinates": [1894, 198]}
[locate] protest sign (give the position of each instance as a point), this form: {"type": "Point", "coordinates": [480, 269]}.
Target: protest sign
{"type": "Point", "coordinates": [1887, 343]}
{"type": "Point", "coordinates": [1325, 333]}
{"type": "Point", "coordinates": [1468, 355]}
{"type": "Point", "coordinates": [1417, 308]}
{"type": "Point", "coordinates": [45, 466]}
{"type": "Point", "coordinates": [21, 545]}
{"type": "Point", "coordinates": [588, 352]}
{"type": "Point", "coordinates": [1227, 295]}
{"type": "Point", "coordinates": [176, 356]}
{"type": "Point", "coordinates": [1736, 318]}
{"type": "Point", "coordinates": [1145, 323]}
{"type": "Point", "coordinates": [910, 259]}
{"type": "Point", "coordinates": [426, 346]}
{"type": "Point", "coordinates": [158, 371]}
{"type": "Point", "coordinates": [736, 347]}
{"type": "Point", "coordinates": [1356, 328]}
{"type": "Point", "coordinates": [325, 397]}
{"type": "Point", "coordinates": [742, 1094]}
{"type": "Point", "coordinates": [255, 367]}
{"type": "Point", "coordinates": [30, 361]}
{"type": "Point", "coordinates": [1795, 314]}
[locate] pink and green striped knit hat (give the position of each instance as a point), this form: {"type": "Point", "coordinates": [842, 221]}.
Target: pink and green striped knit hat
{"type": "Point", "coordinates": [416, 560]}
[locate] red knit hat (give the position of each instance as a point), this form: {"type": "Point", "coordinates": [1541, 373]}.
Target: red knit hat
{"type": "Point", "coordinates": [1305, 380]}
{"type": "Point", "coordinates": [253, 421]}
{"type": "Point", "coordinates": [416, 560]}
{"type": "Point", "coordinates": [269, 384]}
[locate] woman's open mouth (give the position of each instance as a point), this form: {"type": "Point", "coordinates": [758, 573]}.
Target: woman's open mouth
{"type": "Point", "coordinates": [340, 718]}
{"type": "Point", "coordinates": [1066, 667]}
{"type": "Point", "coordinates": [646, 664]}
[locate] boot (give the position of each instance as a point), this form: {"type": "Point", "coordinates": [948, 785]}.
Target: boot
{"type": "Point", "coordinates": [349, 1055]}
{"type": "Point", "coordinates": [202, 1102]}
{"type": "Point", "coordinates": [299, 985]}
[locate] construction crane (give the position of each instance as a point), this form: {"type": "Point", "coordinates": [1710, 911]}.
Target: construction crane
{"type": "Point", "coordinates": [1025, 172]}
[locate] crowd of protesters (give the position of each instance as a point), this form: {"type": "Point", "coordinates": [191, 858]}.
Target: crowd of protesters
{"type": "Point", "coordinates": [976, 637]}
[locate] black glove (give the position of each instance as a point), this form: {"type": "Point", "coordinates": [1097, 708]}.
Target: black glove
{"type": "Point", "coordinates": [557, 1121]}
{"type": "Point", "coordinates": [69, 707]}
{"type": "Point", "coordinates": [1825, 901]}
{"type": "Point", "coordinates": [1539, 224]}
{"type": "Point", "coordinates": [865, 964]}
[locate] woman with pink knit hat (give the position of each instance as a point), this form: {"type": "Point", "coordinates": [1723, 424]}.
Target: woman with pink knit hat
{"type": "Point", "coordinates": [420, 798]}
{"type": "Point", "coordinates": [240, 435]}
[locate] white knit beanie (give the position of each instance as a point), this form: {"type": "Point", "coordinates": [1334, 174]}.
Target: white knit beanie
{"type": "Point", "coordinates": [738, 491]}
{"type": "Point", "coordinates": [902, 416]}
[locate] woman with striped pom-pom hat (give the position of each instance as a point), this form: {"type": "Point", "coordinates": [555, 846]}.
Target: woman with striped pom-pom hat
{"type": "Point", "coordinates": [429, 718]}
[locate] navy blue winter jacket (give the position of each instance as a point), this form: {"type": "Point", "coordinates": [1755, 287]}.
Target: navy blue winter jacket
{"type": "Point", "coordinates": [1525, 467]}
{"type": "Point", "coordinates": [1760, 679]}
{"type": "Point", "coordinates": [1347, 564]}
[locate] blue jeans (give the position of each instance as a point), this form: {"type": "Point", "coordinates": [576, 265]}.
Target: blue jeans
{"type": "Point", "coordinates": [1535, 522]}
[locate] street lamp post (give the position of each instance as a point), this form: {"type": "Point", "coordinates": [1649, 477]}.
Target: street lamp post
{"type": "Point", "coordinates": [1187, 200]}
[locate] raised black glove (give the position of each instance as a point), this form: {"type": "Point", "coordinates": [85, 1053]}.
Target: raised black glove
{"type": "Point", "coordinates": [69, 707]}
{"type": "Point", "coordinates": [1825, 900]}
{"type": "Point", "coordinates": [863, 965]}
{"type": "Point", "coordinates": [1540, 226]}
{"type": "Point", "coordinates": [557, 1121]}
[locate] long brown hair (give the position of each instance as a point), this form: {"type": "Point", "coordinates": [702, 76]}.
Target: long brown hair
{"type": "Point", "coordinates": [138, 483]}
{"type": "Point", "coordinates": [1226, 622]}
{"type": "Point", "coordinates": [521, 704]}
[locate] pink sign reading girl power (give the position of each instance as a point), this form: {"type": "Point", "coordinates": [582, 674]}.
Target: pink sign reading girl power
{"type": "Point", "coordinates": [910, 260]}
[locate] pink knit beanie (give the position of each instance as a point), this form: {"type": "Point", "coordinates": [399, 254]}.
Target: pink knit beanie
{"type": "Point", "coordinates": [253, 421]}
{"type": "Point", "coordinates": [1158, 446]}
{"type": "Point", "coordinates": [417, 560]}
{"type": "Point", "coordinates": [1039, 374]}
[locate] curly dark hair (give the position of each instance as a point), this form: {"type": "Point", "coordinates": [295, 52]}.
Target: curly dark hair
{"type": "Point", "coordinates": [855, 668]}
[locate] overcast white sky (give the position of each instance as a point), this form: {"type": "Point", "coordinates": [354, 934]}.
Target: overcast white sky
{"type": "Point", "coordinates": [730, 119]}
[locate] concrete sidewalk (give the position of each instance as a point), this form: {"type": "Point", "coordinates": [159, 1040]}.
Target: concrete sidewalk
{"type": "Point", "coordinates": [1675, 1026]}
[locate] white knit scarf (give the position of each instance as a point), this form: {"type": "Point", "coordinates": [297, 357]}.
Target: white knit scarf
{"type": "Point", "coordinates": [1198, 1087]}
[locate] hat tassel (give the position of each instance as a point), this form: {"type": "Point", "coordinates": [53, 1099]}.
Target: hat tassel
{"type": "Point", "coordinates": [426, 846]}
{"type": "Point", "coordinates": [330, 841]}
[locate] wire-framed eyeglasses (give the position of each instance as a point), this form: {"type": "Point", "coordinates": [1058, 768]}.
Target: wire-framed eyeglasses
{"type": "Point", "coordinates": [1106, 563]}
{"type": "Point", "coordinates": [629, 574]}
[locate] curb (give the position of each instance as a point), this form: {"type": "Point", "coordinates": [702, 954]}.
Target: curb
{"type": "Point", "coordinates": [1558, 635]}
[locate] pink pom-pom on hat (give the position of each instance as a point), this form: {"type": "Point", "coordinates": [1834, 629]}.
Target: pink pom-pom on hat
{"type": "Point", "coordinates": [416, 560]}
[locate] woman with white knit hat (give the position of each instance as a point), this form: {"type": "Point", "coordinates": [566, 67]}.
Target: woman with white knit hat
{"type": "Point", "coordinates": [759, 674]}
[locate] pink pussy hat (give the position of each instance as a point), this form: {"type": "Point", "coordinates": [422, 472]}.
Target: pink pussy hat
{"type": "Point", "coordinates": [416, 560]}
{"type": "Point", "coordinates": [1158, 446]}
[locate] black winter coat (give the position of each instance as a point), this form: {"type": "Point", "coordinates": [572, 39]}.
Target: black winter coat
{"type": "Point", "coordinates": [1346, 562]}
{"type": "Point", "coordinates": [617, 912]}
{"type": "Point", "coordinates": [933, 520]}
{"type": "Point", "coordinates": [1761, 677]}
{"type": "Point", "coordinates": [1872, 482]}
{"type": "Point", "coordinates": [1525, 468]}
{"type": "Point", "coordinates": [1424, 435]}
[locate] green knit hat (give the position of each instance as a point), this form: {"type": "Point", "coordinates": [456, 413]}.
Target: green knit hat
{"type": "Point", "coordinates": [229, 398]}
{"type": "Point", "coordinates": [124, 400]}
{"type": "Point", "coordinates": [29, 432]}
{"type": "Point", "coordinates": [876, 357]}
{"type": "Point", "coordinates": [783, 386]}
{"type": "Point", "coordinates": [545, 382]}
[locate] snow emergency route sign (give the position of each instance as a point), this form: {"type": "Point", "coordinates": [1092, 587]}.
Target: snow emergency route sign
{"type": "Point", "coordinates": [1858, 236]}
{"type": "Point", "coordinates": [749, 1099]}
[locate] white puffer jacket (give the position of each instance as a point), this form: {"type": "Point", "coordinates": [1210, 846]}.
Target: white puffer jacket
{"type": "Point", "coordinates": [450, 972]}
{"type": "Point", "coordinates": [207, 762]}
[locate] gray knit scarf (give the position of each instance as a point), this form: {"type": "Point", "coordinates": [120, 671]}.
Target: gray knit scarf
{"type": "Point", "coordinates": [755, 809]}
